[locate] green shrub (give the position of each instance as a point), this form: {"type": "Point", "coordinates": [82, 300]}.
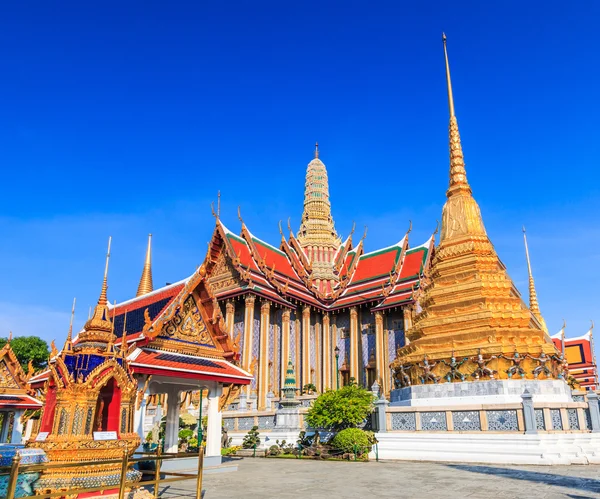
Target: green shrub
{"type": "Point", "coordinates": [340, 409]}
{"type": "Point", "coordinates": [352, 440]}
{"type": "Point", "coordinates": [275, 450]}
{"type": "Point", "coordinates": [185, 435]}
{"type": "Point", "coordinates": [193, 443]}
{"type": "Point", "coordinates": [252, 439]}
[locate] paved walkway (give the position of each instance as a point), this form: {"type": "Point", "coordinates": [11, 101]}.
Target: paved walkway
{"type": "Point", "coordinates": [283, 478]}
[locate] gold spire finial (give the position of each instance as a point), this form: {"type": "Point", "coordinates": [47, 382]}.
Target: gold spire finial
{"type": "Point", "coordinates": [9, 336]}
{"type": "Point", "coordinates": [448, 80]}
{"type": "Point", "coordinates": [68, 343]}
{"type": "Point", "coordinates": [316, 150]}
{"type": "Point", "coordinates": [146, 285]}
{"type": "Point", "coordinates": [103, 300]}
{"type": "Point", "coordinates": [533, 301]}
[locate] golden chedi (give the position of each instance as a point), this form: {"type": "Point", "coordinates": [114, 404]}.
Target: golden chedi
{"type": "Point", "coordinates": [471, 321]}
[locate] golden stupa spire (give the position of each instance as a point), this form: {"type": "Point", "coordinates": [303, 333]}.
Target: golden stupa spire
{"type": "Point", "coordinates": [461, 215]}
{"type": "Point", "coordinates": [99, 327]}
{"type": "Point", "coordinates": [533, 301]}
{"type": "Point", "coordinates": [69, 343]}
{"type": "Point", "coordinates": [146, 285]}
{"type": "Point", "coordinates": [316, 150]}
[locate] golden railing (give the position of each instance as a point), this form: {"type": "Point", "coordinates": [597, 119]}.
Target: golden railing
{"type": "Point", "coordinates": [160, 477]}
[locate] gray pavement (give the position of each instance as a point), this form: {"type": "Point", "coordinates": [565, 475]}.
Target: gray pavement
{"type": "Point", "coordinates": [286, 478]}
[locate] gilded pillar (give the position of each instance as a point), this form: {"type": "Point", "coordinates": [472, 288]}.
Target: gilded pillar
{"type": "Point", "coordinates": [248, 326]}
{"type": "Point", "coordinates": [285, 346]}
{"type": "Point", "coordinates": [386, 356]}
{"type": "Point", "coordinates": [407, 314]}
{"type": "Point", "coordinates": [263, 356]}
{"type": "Point", "coordinates": [306, 345]}
{"type": "Point", "coordinates": [327, 352]}
{"type": "Point", "coordinates": [229, 316]}
{"type": "Point", "coordinates": [354, 344]}
{"type": "Point", "coordinates": [318, 357]}
{"type": "Point", "coordinates": [380, 359]}
{"type": "Point", "coordinates": [297, 339]}
{"type": "Point", "coordinates": [276, 361]}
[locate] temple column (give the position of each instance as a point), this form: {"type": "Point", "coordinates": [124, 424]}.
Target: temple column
{"type": "Point", "coordinates": [263, 356]}
{"type": "Point", "coordinates": [354, 343]}
{"type": "Point", "coordinates": [285, 346]}
{"type": "Point", "coordinates": [229, 316]}
{"type": "Point", "coordinates": [276, 361]}
{"type": "Point", "coordinates": [327, 352]}
{"type": "Point", "coordinates": [248, 326]}
{"type": "Point", "coordinates": [305, 346]}
{"type": "Point", "coordinates": [213, 426]}
{"type": "Point", "coordinates": [335, 369]}
{"type": "Point", "coordinates": [380, 341]}
{"type": "Point", "coordinates": [4, 428]}
{"type": "Point", "coordinates": [139, 417]}
{"type": "Point", "coordinates": [298, 359]}
{"type": "Point", "coordinates": [172, 423]}
{"type": "Point", "coordinates": [407, 315]}
{"type": "Point", "coordinates": [386, 356]}
{"type": "Point", "coordinates": [16, 436]}
{"type": "Point", "coordinates": [318, 357]}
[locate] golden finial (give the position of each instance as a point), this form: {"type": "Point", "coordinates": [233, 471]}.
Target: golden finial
{"type": "Point", "coordinates": [69, 342]}
{"type": "Point", "coordinates": [218, 204]}
{"type": "Point", "coordinates": [448, 80]}
{"type": "Point", "coordinates": [53, 350]}
{"type": "Point", "coordinates": [533, 301]}
{"type": "Point", "coordinates": [124, 327]}
{"type": "Point", "coordinates": [458, 174]}
{"type": "Point", "coordinates": [353, 228]}
{"type": "Point", "coordinates": [146, 285]}
{"type": "Point", "coordinates": [316, 150]}
{"type": "Point", "coordinates": [364, 233]}
{"type": "Point", "coordinates": [437, 227]}
{"type": "Point", "coordinates": [103, 299]}
{"type": "Point", "coordinates": [409, 227]}
{"type": "Point", "coordinates": [281, 230]}
{"type": "Point", "coordinates": [9, 336]}
{"type": "Point", "coordinates": [289, 225]}
{"type": "Point", "coordinates": [240, 215]}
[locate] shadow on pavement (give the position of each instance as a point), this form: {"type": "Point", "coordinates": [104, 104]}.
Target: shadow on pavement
{"type": "Point", "coordinates": [587, 484]}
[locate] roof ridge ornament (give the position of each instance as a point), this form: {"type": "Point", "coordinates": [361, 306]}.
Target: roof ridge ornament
{"type": "Point", "coordinates": [146, 284]}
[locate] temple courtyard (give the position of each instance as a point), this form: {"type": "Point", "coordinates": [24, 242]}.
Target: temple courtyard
{"type": "Point", "coordinates": [287, 478]}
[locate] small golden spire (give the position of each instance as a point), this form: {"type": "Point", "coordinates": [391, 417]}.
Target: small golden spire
{"type": "Point", "coordinates": [146, 285]}
{"type": "Point", "coordinates": [448, 80]}
{"type": "Point", "coordinates": [69, 343]}
{"type": "Point", "coordinates": [316, 150]}
{"type": "Point", "coordinates": [533, 301]}
{"type": "Point", "coordinates": [103, 300]}
{"type": "Point", "coordinates": [218, 204]}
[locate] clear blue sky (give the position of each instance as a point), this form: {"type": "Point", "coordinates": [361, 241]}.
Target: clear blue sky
{"type": "Point", "coordinates": [123, 118]}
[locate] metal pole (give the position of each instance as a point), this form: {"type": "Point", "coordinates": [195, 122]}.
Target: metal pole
{"type": "Point", "coordinates": [124, 466]}
{"type": "Point", "coordinates": [200, 430]}
{"type": "Point", "coordinates": [157, 469]}
{"type": "Point", "coordinates": [200, 468]}
{"type": "Point", "coordinates": [337, 371]}
{"type": "Point", "coordinates": [14, 476]}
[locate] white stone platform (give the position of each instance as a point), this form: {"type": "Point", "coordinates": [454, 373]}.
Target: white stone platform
{"type": "Point", "coordinates": [499, 448]}
{"type": "Point", "coordinates": [505, 391]}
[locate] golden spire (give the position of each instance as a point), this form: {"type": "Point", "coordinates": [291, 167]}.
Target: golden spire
{"type": "Point", "coordinates": [458, 174]}
{"type": "Point", "coordinates": [461, 215]}
{"type": "Point", "coordinates": [146, 285]}
{"type": "Point", "coordinates": [99, 327]}
{"type": "Point", "coordinates": [316, 150]}
{"type": "Point", "coordinates": [533, 301]}
{"type": "Point", "coordinates": [69, 343]}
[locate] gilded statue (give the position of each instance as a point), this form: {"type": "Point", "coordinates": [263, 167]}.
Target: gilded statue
{"type": "Point", "coordinates": [482, 370]}
{"type": "Point", "coordinates": [515, 368]}
{"type": "Point", "coordinates": [454, 366]}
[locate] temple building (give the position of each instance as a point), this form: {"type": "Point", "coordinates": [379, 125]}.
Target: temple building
{"type": "Point", "coordinates": [581, 358]}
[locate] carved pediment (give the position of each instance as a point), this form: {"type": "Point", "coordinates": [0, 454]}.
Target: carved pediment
{"type": "Point", "coordinates": [7, 380]}
{"type": "Point", "coordinates": [223, 274]}
{"type": "Point", "coordinates": [187, 324]}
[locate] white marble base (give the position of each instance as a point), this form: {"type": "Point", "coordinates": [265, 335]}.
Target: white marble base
{"type": "Point", "coordinates": [497, 448]}
{"type": "Point", "coordinates": [505, 391]}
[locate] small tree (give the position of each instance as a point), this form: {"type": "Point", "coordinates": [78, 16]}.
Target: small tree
{"type": "Point", "coordinates": [252, 439]}
{"type": "Point", "coordinates": [339, 409]}
{"type": "Point", "coordinates": [28, 348]}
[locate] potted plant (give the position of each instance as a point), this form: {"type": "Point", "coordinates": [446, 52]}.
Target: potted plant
{"type": "Point", "coordinates": [309, 388]}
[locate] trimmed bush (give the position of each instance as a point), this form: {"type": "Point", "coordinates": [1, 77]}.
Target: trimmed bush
{"type": "Point", "coordinates": [340, 409]}
{"type": "Point", "coordinates": [252, 439]}
{"type": "Point", "coordinates": [352, 440]}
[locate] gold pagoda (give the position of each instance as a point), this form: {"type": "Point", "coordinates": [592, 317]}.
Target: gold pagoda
{"type": "Point", "coordinates": [471, 322]}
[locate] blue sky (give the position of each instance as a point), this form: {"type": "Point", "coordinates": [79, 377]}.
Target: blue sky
{"type": "Point", "coordinates": [124, 118]}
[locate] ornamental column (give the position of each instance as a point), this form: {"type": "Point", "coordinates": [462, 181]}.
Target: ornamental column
{"type": "Point", "coordinates": [354, 344]}
{"type": "Point", "coordinates": [406, 313]}
{"type": "Point", "coordinates": [380, 359]}
{"type": "Point", "coordinates": [248, 326]}
{"type": "Point", "coordinates": [263, 356]}
{"type": "Point", "coordinates": [305, 345]}
{"type": "Point", "coordinates": [285, 346]}
{"type": "Point", "coordinates": [327, 352]}
{"type": "Point", "coordinates": [213, 426]}
{"type": "Point", "coordinates": [229, 315]}
{"type": "Point", "coordinates": [172, 424]}
{"type": "Point", "coordinates": [318, 356]}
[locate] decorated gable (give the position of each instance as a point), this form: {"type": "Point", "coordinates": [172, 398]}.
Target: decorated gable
{"type": "Point", "coordinates": [187, 324]}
